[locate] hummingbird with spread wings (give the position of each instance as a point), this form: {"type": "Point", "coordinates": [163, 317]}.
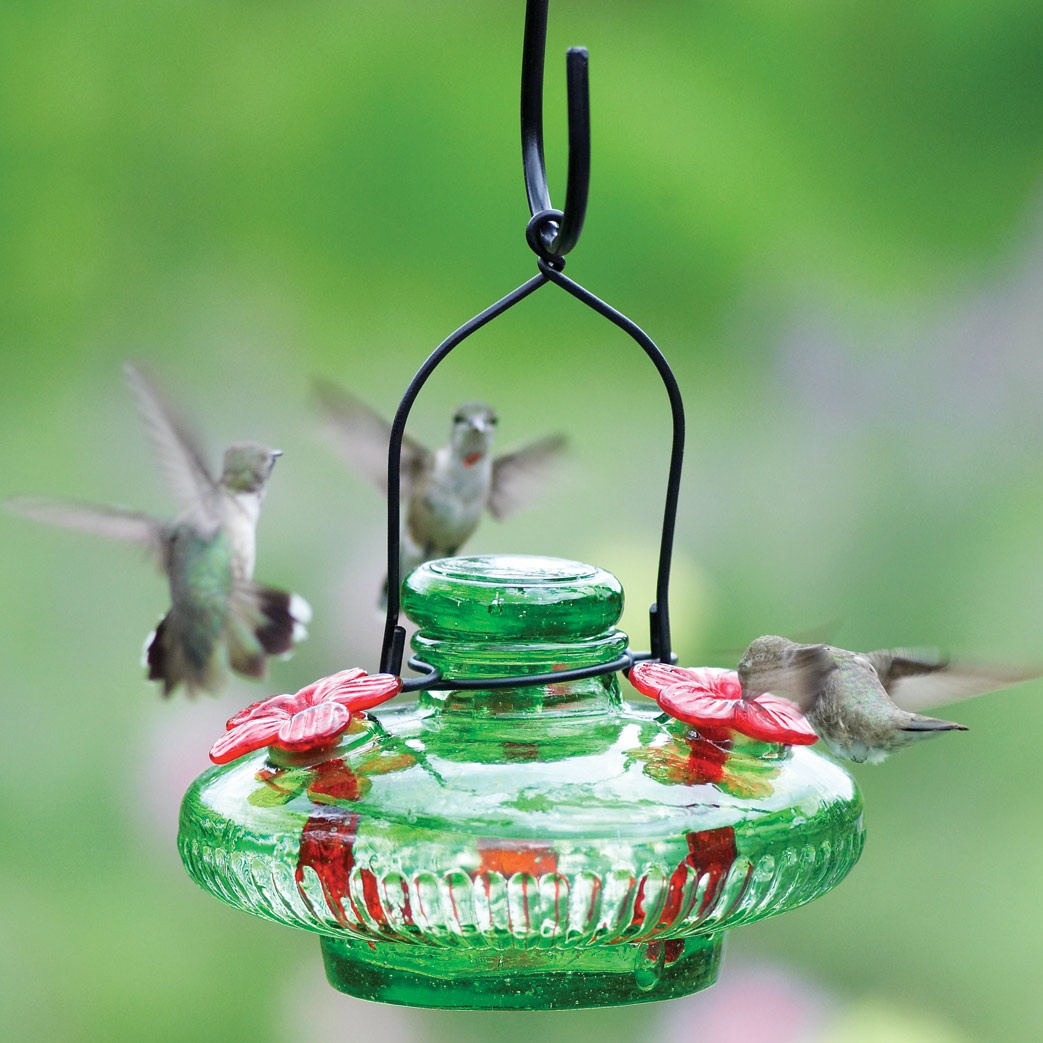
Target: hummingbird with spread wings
{"type": "Point", "coordinates": [864, 706]}
{"type": "Point", "coordinates": [220, 620]}
{"type": "Point", "coordinates": [446, 491]}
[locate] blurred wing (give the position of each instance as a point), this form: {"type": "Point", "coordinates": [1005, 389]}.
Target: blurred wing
{"type": "Point", "coordinates": [362, 436]}
{"type": "Point", "coordinates": [921, 679]}
{"type": "Point", "coordinates": [800, 676]}
{"type": "Point", "coordinates": [177, 452]}
{"type": "Point", "coordinates": [907, 668]}
{"type": "Point", "coordinates": [114, 523]}
{"type": "Point", "coordinates": [517, 476]}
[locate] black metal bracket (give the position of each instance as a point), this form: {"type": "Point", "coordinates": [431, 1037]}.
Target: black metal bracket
{"type": "Point", "coordinates": [551, 234]}
{"type": "Point", "coordinates": [431, 676]}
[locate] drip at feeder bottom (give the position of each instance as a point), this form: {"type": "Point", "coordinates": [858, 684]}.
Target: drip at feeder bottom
{"type": "Point", "coordinates": [544, 847]}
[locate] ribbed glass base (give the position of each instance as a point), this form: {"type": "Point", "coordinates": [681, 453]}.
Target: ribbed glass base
{"type": "Point", "coordinates": [521, 979]}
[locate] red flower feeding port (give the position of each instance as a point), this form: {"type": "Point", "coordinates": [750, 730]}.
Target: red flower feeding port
{"type": "Point", "coordinates": [711, 700]}
{"type": "Point", "coordinates": [311, 719]}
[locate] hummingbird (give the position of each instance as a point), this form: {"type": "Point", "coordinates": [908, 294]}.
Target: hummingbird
{"type": "Point", "coordinates": [446, 491]}
{"type": "Point", "coordinates": [864, 705]}
{"type": "Point", "coordinates": [219, 619]}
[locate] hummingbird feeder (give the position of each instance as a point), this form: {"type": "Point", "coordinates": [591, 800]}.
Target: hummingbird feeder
{"type": "Point", "coordinates": [521, 836]}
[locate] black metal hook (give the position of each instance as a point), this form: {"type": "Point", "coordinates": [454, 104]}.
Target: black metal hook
{"type": "Point", "coordinates": [553, 233]}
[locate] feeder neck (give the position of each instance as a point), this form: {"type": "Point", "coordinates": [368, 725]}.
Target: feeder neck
{"type": "Point", "coordinates": [514, 615]}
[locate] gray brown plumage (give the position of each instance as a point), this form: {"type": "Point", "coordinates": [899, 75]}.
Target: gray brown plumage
{"type": "Point", "coordinates": [865, 705]}
{"type": "Point", "coordinates": [446, 491]}
{"type": "Point", "coordinates": [219, 620]}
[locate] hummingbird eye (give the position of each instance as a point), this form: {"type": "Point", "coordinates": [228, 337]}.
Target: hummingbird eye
{"type": "Point", "coordinates": [459, 418]}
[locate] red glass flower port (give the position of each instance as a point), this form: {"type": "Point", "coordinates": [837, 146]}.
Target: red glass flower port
{"type": "Point", "coordinates": [311, 719]}
{"type": "Point", "coordinates": [711, 699]}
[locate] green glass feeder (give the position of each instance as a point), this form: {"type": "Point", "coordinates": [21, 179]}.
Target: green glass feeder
{"type": "Point", "coordinates": [521, 836]}
{"type": "Point", "coordinates": [548, 846]}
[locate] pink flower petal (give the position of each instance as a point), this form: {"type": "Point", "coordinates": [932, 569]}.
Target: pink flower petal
{"type": "Point", "coordinates": [771, 719]}
{"type": "Point", "coordinates": [650, 677]}
{"type": "Point", "coordinates": [246, 737]}
{"type": "Point", "coordinates": [369, 691]}
{"type": "Point", "coordinates": [693, 706]}
{"type": "Point", "coordinates": [279, 705]}
{"type": "Point", "coordinates": [330, 687]}
{"type": "Point", "coordinates": [313, 728]}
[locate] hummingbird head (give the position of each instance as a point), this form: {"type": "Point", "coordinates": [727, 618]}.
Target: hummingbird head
{"type": "Point", "coordinates": [761, 664]}
{"type": "Point", "coordinates": [247, 466]}
{"type": "Point", "coordinates": [473, 428]}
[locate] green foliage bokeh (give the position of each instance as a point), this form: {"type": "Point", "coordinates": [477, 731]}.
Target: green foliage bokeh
{"type": "Point", "coordinates": [828, 216]}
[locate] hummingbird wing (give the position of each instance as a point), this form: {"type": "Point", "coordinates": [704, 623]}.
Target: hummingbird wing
{"type": "Point", "coordinates": [800, 674]}
{"type": "Point", "coordinates": [919, 679]}
{"type": "Point", "coordinates": [115, 523]}
{"type": "Point", "coordinates": [517, 476]}
{"type": "Point", "coordinates": [177, 452]}
{"type": "Point", "coordinates": [362, 437]}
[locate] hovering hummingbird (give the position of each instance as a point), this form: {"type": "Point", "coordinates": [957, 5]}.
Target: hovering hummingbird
{"type": "Point", "coordinates": [446, 490]}
{"type": "Point", "coordinates": [862, 705]}
{"type": "Point", "coordinates": [219, 618]}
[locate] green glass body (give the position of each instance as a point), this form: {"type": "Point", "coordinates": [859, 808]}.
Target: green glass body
{"type": "Point", "coordinates": [530, 848]}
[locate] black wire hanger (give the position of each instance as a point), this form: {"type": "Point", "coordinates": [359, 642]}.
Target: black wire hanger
{"type": "Point", "coordinates": [551, 234]}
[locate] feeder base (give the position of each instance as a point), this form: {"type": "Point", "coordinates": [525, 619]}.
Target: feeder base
{"type": "Point", "coordinates": [521, 979]}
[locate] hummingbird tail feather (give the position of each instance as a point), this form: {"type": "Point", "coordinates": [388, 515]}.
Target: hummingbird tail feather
{"type": "Point", "coordinates": [284, 619]}
{"type": "Point", "coordinates": [158, 657]}
{"type": "Point", "coordinates": [170, 660]}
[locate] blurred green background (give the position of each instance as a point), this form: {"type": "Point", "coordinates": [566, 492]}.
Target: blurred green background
{"type": "Point", "coordinates": [828, 214]}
